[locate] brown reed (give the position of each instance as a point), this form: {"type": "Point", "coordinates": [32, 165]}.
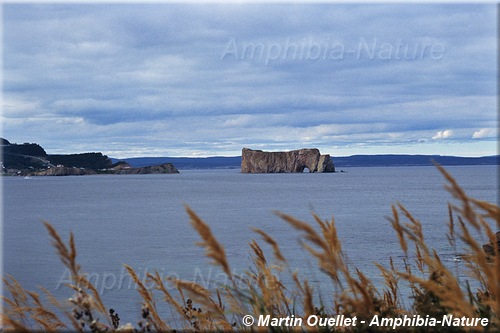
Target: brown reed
{"type": "Point", "coordinates": [435, 289]}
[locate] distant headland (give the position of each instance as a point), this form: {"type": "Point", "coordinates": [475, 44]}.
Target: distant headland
{"type": "Point", "coordinates": [30, 159]}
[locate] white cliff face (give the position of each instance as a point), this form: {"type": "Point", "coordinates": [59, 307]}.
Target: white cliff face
{"type": "Point", "coordinates": [258, 161]}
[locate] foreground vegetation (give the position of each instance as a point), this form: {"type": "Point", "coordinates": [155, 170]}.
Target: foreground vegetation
{"type": "Point", "coordinates": [435, 289]}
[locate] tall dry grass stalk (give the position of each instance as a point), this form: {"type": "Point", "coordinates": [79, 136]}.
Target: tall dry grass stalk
{"type": "Point", "coordinates": [435, 289]}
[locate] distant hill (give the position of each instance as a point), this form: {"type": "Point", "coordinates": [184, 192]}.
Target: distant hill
{"type": "Point", "coordinates": [412, 160]}
{"type": "Point", "coordinates": [27, 149]}
{"type": "Point", "coordinates": [85, 160]}
{"type": "Point", "coordinates": [33, 156]}
{"type": "Point", "coordinates": [234, 162]}
{"type": "Point", "coordinates": [22, 156]}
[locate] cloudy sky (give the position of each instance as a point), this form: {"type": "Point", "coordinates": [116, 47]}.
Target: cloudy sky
{"type": "Point", "coordinates": [206, 80]}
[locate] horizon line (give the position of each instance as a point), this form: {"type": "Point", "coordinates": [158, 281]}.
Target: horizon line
{"type": "Point", "coordinates": [339, 156]}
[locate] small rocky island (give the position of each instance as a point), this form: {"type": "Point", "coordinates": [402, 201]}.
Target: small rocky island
{"type": "Point", "coordinates": [489, 248]}
{"type": "Point", "coordinates": [123, 168]}
{"type": "Point", "coordinates": [258, 161]}
{"type": "Point", "coordinates": [30, 159]}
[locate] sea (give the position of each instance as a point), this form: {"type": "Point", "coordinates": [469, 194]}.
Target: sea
{"type": "Point", "coordinates": [141, 221]}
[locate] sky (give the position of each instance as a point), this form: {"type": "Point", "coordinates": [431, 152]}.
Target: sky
{"type": "Point", "coordinates": [184, 79]}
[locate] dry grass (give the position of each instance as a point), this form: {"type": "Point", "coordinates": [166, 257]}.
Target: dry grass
{"type": "Point", "coordinates": [435, 289]}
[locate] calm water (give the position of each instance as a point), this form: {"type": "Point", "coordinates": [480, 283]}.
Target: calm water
{"type": "Point", "coordinates": [140, 220]}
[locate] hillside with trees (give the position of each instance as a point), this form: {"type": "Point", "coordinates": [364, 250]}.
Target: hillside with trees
{"type": "Point", "coordinates": [31, 159]}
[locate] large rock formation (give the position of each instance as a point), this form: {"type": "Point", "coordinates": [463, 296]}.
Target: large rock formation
{"type": "Point", "coordinates": [258, 161]}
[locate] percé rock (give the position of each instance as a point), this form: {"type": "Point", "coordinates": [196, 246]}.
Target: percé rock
{"type": "Point", "coordinates": [258, 161]}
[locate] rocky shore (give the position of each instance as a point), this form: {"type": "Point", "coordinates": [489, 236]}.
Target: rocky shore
{"type": "Point", "coordinates": [155, 169]}
{"type": "Point", "coordinates": [122, 169]}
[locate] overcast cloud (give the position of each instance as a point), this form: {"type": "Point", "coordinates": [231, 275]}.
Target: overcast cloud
{"type": "Point", "coordinates": [204, 80]}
